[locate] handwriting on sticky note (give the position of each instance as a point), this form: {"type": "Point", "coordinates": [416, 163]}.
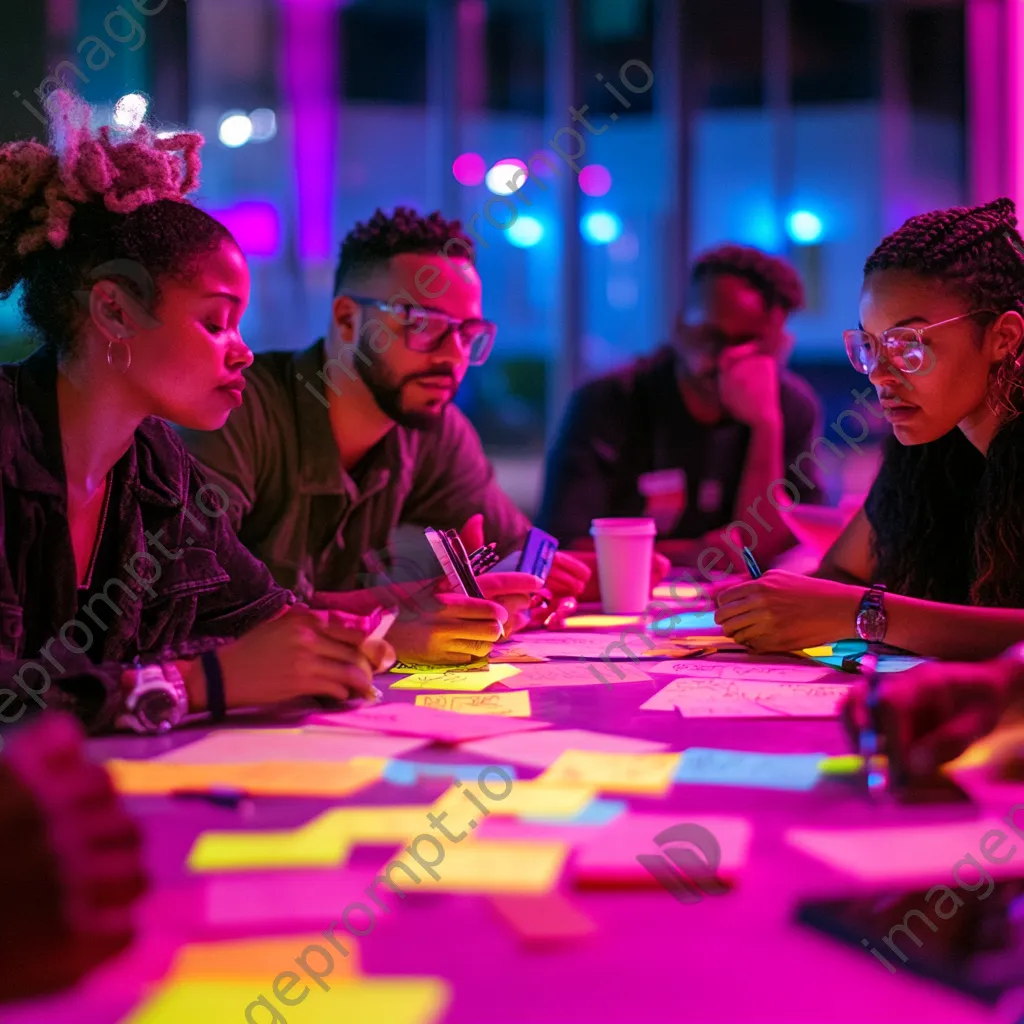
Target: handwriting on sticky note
{"type": "Point", "coordinates": [722, 698]}
{"type": "Point", "coordinates": [464, 681]}
{"type": "Point", "coordinates": [401, 667]}
{"type": "Point", "coordinates": [714, 767]}
{"type": "Point", "coordinates": [613, 773]}
{"type": "Point", "coordinates": [744, 671]}
{"type": "Point", "coordinates": [509, 703]}
{"type": "Point", "coordinates": [579, 673]}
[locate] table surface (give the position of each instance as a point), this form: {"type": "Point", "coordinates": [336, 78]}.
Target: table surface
{"type": "Point", "coordinates": [733, 958]}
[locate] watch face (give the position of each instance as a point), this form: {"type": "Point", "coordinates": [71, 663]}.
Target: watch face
{"type": "Point", "coordinates": [157, 707]}
{"type": "Point", "coordinates": [871, 624]}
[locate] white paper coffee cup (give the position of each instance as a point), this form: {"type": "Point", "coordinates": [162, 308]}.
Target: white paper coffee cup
{"type": "Point", "coordinates": [624, 550]}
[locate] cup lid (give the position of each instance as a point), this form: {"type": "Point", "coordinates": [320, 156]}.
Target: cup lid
{"type": "Point", "coordinates": [638, 527]}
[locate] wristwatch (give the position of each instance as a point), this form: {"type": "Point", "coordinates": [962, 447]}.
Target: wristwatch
{"type": "Point", "coordinates": [156, 698]}
{"type": "Point", "coordinates": [872, 621]}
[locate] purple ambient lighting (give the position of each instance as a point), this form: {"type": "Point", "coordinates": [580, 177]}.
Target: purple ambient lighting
{"type": "Point", "coordinates": [469, 169]}
{"type": "Point", "coordinates": [256, 226]}
{"type": "Point", "coordinates": [595, 179]}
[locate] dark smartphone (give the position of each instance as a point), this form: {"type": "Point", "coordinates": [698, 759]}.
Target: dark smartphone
{"type": "Point", "coordinates": [977, 947]}
{"type": "Point", "coordinates": [538, 555]}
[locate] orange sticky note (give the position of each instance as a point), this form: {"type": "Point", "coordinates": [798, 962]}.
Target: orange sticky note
{"type": "Point", "coordinates": [255, 959]}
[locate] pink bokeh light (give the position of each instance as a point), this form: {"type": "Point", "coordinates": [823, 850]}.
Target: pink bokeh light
{"type": "Point", "coordinates": [256, 226]}
{"type": "Point", "coordinates": [595, 179]}
{"type": "Point", "coordinates": [469, 169]}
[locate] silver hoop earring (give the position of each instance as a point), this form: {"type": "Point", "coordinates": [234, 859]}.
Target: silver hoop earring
{"type": "Point", "coordinates": [118, 363]}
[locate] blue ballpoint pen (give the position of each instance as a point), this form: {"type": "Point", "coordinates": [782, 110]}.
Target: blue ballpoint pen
{"type": "Point", "coordinates": [752, 566]}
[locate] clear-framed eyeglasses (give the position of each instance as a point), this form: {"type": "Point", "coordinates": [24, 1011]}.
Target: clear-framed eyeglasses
{"type": "Point", "coordinates": [904, 348]}
{"type": "Point", "coordinates": [427, 329]}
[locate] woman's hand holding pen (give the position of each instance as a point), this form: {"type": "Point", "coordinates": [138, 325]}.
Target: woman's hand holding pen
{"type": "Point", "coordinates": [448, 629]}
{"type": "Point", "coordinates": [784, 611]}
{"type": "Point", "coordinates": [514, 591]}
{"type": "Point", "coordinates": [932, 713]}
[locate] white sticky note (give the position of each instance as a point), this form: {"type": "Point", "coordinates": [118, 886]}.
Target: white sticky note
{"type": "Point", "coordinates": [742, 671]}
{"type": "Point", "coordinates": [541, 749]}
{"type": "Point", "coordinates": [717, 698]}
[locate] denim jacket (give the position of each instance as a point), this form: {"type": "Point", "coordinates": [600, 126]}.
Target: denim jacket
{"type": "Point", "coordinates": [182, 585]}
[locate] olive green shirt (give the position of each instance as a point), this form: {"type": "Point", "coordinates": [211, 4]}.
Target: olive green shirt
{"type": "Point", "coordinates": [312, 523]}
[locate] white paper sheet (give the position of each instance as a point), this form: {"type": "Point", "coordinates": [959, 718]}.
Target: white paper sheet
{"type": "Point", "coordinates": [578, 673]}
{"type": "Point", "coordinates": [592, 646]}
{"type": "Point", "coordinates": [740, 671]}
{"type": "Point", "coordinates": [725, 698]}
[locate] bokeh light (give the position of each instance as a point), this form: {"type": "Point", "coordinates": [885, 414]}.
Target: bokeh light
{"type": "Point", "coordinates": [804, 227]}
{"type": "Point", "coordinates": [264, 124]}
{"type": "Point", "coordinates": [235, 129]}
{"type": "Point", "coordinates": [130, 111]}
{"type": "Point", "coordinates": [469, 169]}
{"type": "Point", "coordinates": [600, 227]}
{"type": "Point", "coordinates": [525, 232]}
{"type": "Point", "coordinates": [595, 179]}
{"type": "Point", "coordinates": [499, 176]}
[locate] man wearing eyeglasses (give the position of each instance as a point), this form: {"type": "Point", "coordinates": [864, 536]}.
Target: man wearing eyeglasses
{"type": "Point", "coordinates": [702, 435]}
{"type": "Point", "coordinates": [337, 446]}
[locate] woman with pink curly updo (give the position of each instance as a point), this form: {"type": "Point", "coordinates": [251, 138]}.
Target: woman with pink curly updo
{"type": "Point", "coordinates": [124, 593]}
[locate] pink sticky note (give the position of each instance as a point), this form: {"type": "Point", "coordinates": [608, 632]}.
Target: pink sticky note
{"type": "Point", "coordinates": [544, 919]}
{"type": "Point", "coordinates": [429, 723]}
{"type": "Point", "coordinates": [280, 901]}
{"type": "Point", "coordinates": [542, 749]}
{"type": "Point", "coordinates": [609, 856]}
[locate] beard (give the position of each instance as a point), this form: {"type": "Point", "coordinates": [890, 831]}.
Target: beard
{"type": "Point", "coordinates": [387, 393]}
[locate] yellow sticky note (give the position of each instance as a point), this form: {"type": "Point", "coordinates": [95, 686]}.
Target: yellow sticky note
{"type": "Point", "coordinates": [467, 681]}
{"type": "Point", "coordinates": [491, 866]}
{"type": "Point", "coordinates": [260, 778]}
{"type": "Point", "coordinates": [613, 773]}
{"type": "Point", "coordinates": [248, 851]}
{"type": "Point", "coordinates": [352, 825]}
{"type": "Point", "coordinates": [255, 959]}
{"type": "Point", "coordinates": [520, 798]}
{"type": "Point", "coordinates": [817, 652]}
{"type": "Point", "coordinates": [357, 1001]}
{"type": "Point", "coordinates": [511, 703]}
{"type": "Point", "coordinates": [602, 621]}
{"type": "Point", "coordinates": [408, 666]}
{"type": "Point", "coordinates": [843, 764]}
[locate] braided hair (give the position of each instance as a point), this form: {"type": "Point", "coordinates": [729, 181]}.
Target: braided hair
{"type": "Point", "coordinates": [773, 277]}
{"type": "Point", "coordinates": [947, 521]}
{"type": "Point", "coordinates": [374, 242]}
{"type": "Point", "coordinates": [91, 204]}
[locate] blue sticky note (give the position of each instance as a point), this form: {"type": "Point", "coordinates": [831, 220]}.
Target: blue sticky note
{"type": "Point", "coordinates": [407, 773]}
{"type": "Point", "coordinates": [692, 622]}
{"type": "Point", "coordinates": [711, 767]}
{"type": "Point", "coordinates": [597, 812]}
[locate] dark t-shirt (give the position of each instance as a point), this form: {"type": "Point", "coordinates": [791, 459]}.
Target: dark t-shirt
{"type": "Point", "coordinates": [634, 422]}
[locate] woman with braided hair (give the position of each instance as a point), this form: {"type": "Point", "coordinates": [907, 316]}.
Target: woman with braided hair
{"type": "Point", "coordinates": [124, 593]}
{"type": "Point", "coordinates": [939, 543]}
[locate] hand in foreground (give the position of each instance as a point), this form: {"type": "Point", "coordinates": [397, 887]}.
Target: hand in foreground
{"type": "Point", "coordinates": [932, 713]}
{"type": "Point", "coordinates": [660, 568]}
{"type": "Point", "coordinates": [301, 653]}
{"type": "Point", "coordinates": [569, 575]}
{"type": "Point", "coordinates": [73, 860]}
{"type": "Point", "coordinates": [448, 629]}
{"type": "Point", "coordinates": [514, 591]}
{"type": "Point", "coordinates": [783, 611]}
